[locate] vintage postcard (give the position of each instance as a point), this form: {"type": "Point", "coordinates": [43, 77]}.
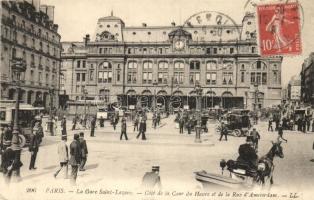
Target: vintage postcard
{"type": "Point", "coordinates": [164, 99]}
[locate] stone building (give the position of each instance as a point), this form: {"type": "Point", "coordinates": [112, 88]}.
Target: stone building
{"type": "Point", "coordinates": [307, 80]}
{"type": "Point", "coordinates": [135, 64]}
{"type": "Point", "coordinates": [29, 33]}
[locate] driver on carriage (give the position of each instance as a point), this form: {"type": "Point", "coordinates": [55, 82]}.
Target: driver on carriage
{"type": "Point", "coordinates": [247, 153]}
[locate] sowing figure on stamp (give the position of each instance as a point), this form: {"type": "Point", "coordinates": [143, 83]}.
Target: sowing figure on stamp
{"type": "Point", "coordinates": [275, 26]}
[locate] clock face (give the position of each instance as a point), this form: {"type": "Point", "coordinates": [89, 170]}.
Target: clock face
{"type": "Point", "coordinates": [179, 45]}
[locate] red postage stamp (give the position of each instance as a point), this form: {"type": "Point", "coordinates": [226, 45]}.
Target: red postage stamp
{"type": "Point", "coordinates": [279, 29]}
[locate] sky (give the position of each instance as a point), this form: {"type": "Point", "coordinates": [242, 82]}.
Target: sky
{"type": "Point", "coordinates": [76, 18]}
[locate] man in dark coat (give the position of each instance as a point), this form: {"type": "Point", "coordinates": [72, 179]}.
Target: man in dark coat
{"type": "Point", "coordinates": [123, 129]}
{"type": "Point", "coordinates": [74, 122]}
{"type": "Point", "coordinates": [270, 125]}
{"type": "Point", "coordinates": [92, 127]}
{"type": "Point", "coordinates": [75, 157]}
{"type": "Point", "coordinates": [64, 126]}
{"type": "Point", "coordinates": [255, 138]}
{"type": "Point", "coordinates": [142, 130]}
{"type": "Point", "coordinates": [84, 151]}
{"type": "Point", "coordinates": [247, 153]}
{"type": "Point", "coordinates": [35, 139]}
{"type": "Point", "coordinates": [10, 164]}
{"type": "Point", "coordinates": [101, 121]}
{"type": "Point", "coordinates": [223, 131]}
{"type": "Point", "coordinates": [181, 125]}
{"type": "Point", "coordinates": [5, 141]}
{"type": "Point", "coordinates": [152, 179]}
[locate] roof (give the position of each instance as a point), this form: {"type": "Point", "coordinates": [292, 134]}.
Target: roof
{"type": "Point", "coordinates": [180, 33]}
{"type": "Point", "coordinates": [111, 17]}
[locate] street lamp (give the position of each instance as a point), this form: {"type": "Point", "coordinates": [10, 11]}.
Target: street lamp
{"type": "Point", "coordinates": [198, 127]}
{"type": "Point", "coordinates": [50, 121]}
{"type": "Point", "coordinates": [18, 66]}
{"type": "Point", "coordinates": [84, 93]}
{"type": "Point", "coordinates": [255, 96]}
{"type": "Point", "coordinates": [155, 102]}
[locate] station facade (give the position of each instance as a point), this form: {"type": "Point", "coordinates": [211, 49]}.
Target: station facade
{"type": "Point", "coordinates": [210, 50]}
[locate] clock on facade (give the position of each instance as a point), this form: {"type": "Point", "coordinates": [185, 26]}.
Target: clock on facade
{"type": "Point", "coordinates": [179, 44]}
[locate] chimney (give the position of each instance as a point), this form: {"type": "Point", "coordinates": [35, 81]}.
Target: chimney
{"type": "Point", "coordinates": [36, 4]}
{"type": "Point", "coordinates": [144, 24]}
{"type": "Point", "coordinates": [86, 39]}
{"type": "Point", "coordinates": [173, 24]}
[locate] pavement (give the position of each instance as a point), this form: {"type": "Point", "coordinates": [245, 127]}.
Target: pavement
{"type": "Point", "coordinates": [121, 164]}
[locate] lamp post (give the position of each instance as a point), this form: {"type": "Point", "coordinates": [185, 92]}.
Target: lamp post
{"type": "Point", "coordinates": [155, 101]}
{"type": "Point", "coordinates": [18, 66]}
{"type": "Point", "coordinates": [84, 93]}
{"type": "Point", "coordinates": [198, 127]}
{"type": "Point", "coordinates": [50, 121]}
{"type": "Point", "coordinates": [255, 96]}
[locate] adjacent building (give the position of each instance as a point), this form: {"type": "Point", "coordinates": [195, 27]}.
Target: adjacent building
{"type": "Point", "coordinates": [294, 89]}
{"type": "Point", "coordinates": [135, 64]}
{"type": "Point", "coordinates": [28, 32]}
{"type": "Point", "coordinates": [307, 80]}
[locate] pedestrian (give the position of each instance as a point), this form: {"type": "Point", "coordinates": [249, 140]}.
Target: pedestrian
{"type": "Point", "coordinates": [280, 133]}
{"type": "Point", "coordinates": [84, 151]}
{"type": "Point", "coordinates": [223, 131]}
{"type": "Point", "coordinates": [123, 129]}
{"type": "Point", "coordinates": [92, 127]}
{"type": "Point", "coordinates": [5, 141]}
{"type": "Point", "coordinates": [101, 121]}
{"type": "Point", "coordinates": [255, 138]}
{"type": "Point", "coordinates": [75, 157]}
{"type": "Point", "coordinates": [10, 164]}
{"type": "Point", "coordinates": [142, 130]}
{"type": "Point", "coordinates": [181, 125]}
{"type": "Point", "coordinates": [152, 179]}
{"type": "Point", "coordinates": [158, 118]}
{"type": "Point", "coordinates": [304, 125]}
{"type": "Point", "coordinates": [136, 121]}
{"type": "Point", "coordinates": [64, 125]}
{"type": "Point", "coordinates": [74, 122]}
{"type": "Point", "coordinates": [189, 125]}
{"type": "Point", "coordinates": [308, 124]}
{"type": "Point", "coordinates": [63, 154]}
{"type": "Point", "coordinates": [154, 120]}
{"type": "Point", "coordinates": [270, 124]}
{"type": "Point", "coordinates": [35, 139]}
{"type": "Point", "coordinates": [312, 125]}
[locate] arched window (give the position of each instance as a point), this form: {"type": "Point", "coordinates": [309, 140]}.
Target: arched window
{"type": "Point", "coordinates": [132, 65]}
{"type": "Point", "coordinates": [211, 65]}
{"type": "Point", "coordinates": [163, 65]}
{"type": "Point", "coordinates": [195, 65]}
{"type": "Point", "coordinates": [259, 73]}
{"type": "Point", "coordinates": [105, 72]}
{"type": "Point", "coordinates": [147, 65]}
{"type": "Point", "coordinates": [178, 65]}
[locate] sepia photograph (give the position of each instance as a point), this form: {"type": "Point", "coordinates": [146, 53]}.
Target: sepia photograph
{"type": "Point", "coordinates": [157, 99]}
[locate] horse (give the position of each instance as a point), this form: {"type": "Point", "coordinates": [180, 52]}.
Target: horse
{"type": "Point", "coordinates": [266, 166]}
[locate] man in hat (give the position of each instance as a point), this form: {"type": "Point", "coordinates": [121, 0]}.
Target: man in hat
{"type": "Point", "coordinates": [64, 125]}
{"type": "Point", "coordinates": [247, 153]}
{"type": "Point", "coordinates": [255, 137]}
{"type": "Point", "coordinates": [142, 129]}
{"type": "Point", "coordinates": [5, 141]}
{"type": "Point", "coordinates": [92, 127]}
{"type": "Point", "coordinates": [10, 164]}
{"type": "Point", "coordinates": [223, 131]}
{"type": "Point", "coordinates": [35, 140]}
{"type": "Point", "coordinates": [280, 133]}
{"type": "Point", "coordinates": [75, 157]}
{"type": "Point", "coordinates": [123, 129]}
{"type": "Point", "coordinates": [63, 156]}
{"type": "Point", "coordinates": [152, 179]}
{"type": "Point", "coordinates": [84, 151]}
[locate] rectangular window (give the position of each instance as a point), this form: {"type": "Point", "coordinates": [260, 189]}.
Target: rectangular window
{"type": "Point", "coordinates": [208, 50]}
{"type": "Point", "coordinates": [105, 77]}
{"type": "Point", "coordinates": [258, 78]}
{"type": "Point", "coordinates": [252, 77]}
{"type": "Point", "coordinates": [144, 51]}
{"type": "Point", "coordinates": [83, 77]}
{"type": "Point", "coordinates": [227, 78]}
{"type": "Point", "coordinates": [84, 63]}
{"type": "Point", "coordinates": [78, 89]}
{"type": "Point", "coordinates": [231, 50]}
{"type": "Point", "coordinates": [253, 49]}
{"type": "Point", "coordinates": [118, 75]}
{"type": "Point", "coordinates": [214, 78]}
{"type": "Point", "coordinates": [100, 50]}
{"type": "Point", "coordinates": [109, 77]}
{"type": "Point", "coordinates": [264, 78]}
{"type": "Point", "coordinates": [78, 77]}
{"type": "Point", "coordinates": [100, 77]}
{"type": "Point", "coordinates": [91, 75]}
{"type": "Point", "coordinates": [242, 77]}
{"type": "Point", "coordinates": [39, 77]}
{"type": "Point", "coordinates": [215, 50]}
{"type": "Point", "coordinates": [160, 50]}
{"type": "Point", "coordinates": [275, 77]}
{"type": "Point", "coordinates": [78, 64]}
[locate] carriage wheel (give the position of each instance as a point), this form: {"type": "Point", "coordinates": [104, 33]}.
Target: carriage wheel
{"type": "Point", "coordinates": [22, 140]}
{"type": "Point", "coordinates": [237, 132]}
